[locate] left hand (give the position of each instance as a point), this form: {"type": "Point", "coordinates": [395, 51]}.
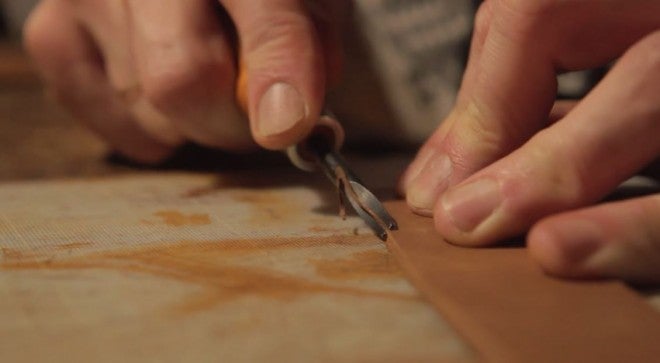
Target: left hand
{"type": "Point", "coordinates": [498, 167]}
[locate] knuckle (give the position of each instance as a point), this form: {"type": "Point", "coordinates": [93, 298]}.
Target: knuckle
{"type": "Point", "coordinates": [279, 33]}
{"type": "Point", "coordinates": [181, 78]}
{"type": "Point", "coordinates": [647, 214]}
{"type": "Point", "coordinates": [561, 179]}
{"type": "Point", "coordinates": [36, 34]}
{"type": "Point", "coordinates": [165, 84]}
{"type": "Point", "coordinates": [542, 179]}
{"type": "Point", "coordinates": [484, 136]}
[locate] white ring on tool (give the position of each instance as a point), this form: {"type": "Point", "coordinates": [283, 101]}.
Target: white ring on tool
{"type": "Point", "coordinates": [327, 127]}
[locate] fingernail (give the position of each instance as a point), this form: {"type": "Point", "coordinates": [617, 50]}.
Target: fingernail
{"type": "Point", "coordinates": [280, 109]}
{"type": "Point", "coordinates": [470, 205]}
{"type": "Point", "coordinates": [429, 183]}
{"type": "Point", "coordinates": [416, 167]}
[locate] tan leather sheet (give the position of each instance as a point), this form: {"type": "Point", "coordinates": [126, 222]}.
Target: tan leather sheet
{"type": "Point", "coordinates": [510, 311]}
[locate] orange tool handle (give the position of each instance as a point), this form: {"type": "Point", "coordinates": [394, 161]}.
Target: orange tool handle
{"type": "Point", "coordinates": [241, 89]}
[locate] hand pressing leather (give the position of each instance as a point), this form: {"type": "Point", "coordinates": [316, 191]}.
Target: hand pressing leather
{"type": "Point", "coordinates": [148, 75]}
{"type": "Point", "coordinates": [499, 166]}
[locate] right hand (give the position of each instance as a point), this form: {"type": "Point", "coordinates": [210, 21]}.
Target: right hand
{"type": "Point", "coordinates": [148, 75]}
{"type": "Point", "coordinates": [504, 163]}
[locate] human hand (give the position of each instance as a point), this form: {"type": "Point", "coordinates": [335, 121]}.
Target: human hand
{"type": "Point", "coordinates": [148, 75]}
{"type": "Point", "coordinates": [498, 167]}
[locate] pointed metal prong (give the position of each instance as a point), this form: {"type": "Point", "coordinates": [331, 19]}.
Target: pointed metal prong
{"type": "Point", "coordinates": [364, 202]}
{"type": "Point", "coordinates": [369, 202]}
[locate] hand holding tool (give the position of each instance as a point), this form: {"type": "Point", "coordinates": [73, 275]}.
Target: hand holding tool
{"type": "Point", "coordinates": [320, 150]}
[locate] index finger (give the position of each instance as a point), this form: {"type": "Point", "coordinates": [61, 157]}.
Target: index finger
{"type": "Point", "coordinates": [509, 90]}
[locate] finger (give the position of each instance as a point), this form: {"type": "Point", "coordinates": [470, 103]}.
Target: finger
{"type": "Point", "coordinates": [513, 84]}
{"type": "Point", "coordinates": [609, 136]}
{"type": "Point", "coordinates": [281, 52]}
{"type": "Point", "coordinates": [72, 68]}
{"type": "Point", "coordinates": [186, 68]}
{"type": "Point", "coordinates": [482, 25]}
{"type": "Point", "coordinates": [616, 240]}
{"type": "Point", "coordinates": [420, 199]}
{"type": "Point", "coordinates": [438, 167]}
{"type": "Point", "coordinates": [108, 23]}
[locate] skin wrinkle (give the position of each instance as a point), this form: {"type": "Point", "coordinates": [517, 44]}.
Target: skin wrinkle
{"type": "Point", "coordinates": [512, 133]}
{"type": "Point", "coordinates": [560, 175]}
{"type": "Point", "coordinates": [648, 237]}
{"type": "Point", "coordinates": [275, 36]}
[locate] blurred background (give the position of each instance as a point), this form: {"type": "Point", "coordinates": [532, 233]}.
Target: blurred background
{"type": "Point", "coordinates": [37, 139]}
{"type": "Point", "coordinates": [387, 81]}
{"type": "Point", "coordinates": [13, 15]}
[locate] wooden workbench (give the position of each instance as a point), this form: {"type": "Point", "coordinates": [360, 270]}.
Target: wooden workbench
{"type": "Point", "coordinates": [100, 261]}
{"type": "Point", "coordinates": [103, 261]}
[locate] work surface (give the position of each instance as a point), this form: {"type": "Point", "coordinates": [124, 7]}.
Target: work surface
{"type": "Point", "coordinates": [101, 261]}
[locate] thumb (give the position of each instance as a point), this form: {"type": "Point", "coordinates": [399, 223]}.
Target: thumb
{"type": "Point", "coordinates": [284, 68]}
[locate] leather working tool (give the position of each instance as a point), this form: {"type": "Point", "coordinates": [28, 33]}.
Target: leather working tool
{"type": "Point", "coordinates": [320, 151]}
